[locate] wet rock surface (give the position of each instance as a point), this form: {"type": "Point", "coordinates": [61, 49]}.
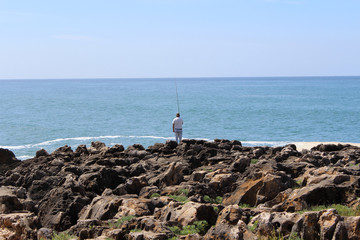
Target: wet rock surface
{"type": "Point", "coordinates": [194, 190]}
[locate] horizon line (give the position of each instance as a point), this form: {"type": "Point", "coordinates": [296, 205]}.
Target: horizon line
{"type": "Point", "coordinates": [149, 78]}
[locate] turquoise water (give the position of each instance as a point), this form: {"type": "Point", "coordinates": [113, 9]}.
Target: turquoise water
{"type": "Point", "coordinates": [48, 114]}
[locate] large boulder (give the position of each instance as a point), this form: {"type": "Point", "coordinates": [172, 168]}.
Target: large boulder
{"type": "Point", "coordinates": [134, 207]}
{"type": "Point", "coordinates": [7, 160]}
{"type": "Point", "coordinates": [172, 176]}
{"type": "Point", "coordinates": [101, 208]}
{"type": "Point", "coordinates": [322, 190]}
{"type": "Point", "coordinates": [188, 213]}
{"type": "Point", "coordinates": [98, 181]}
{"type": "Point", "coordinates": [230, 215]}
{"type": "Point", "coordinates": [135, 184]}
{"type": "Point", "coordinates": [259, 190]}
{"type": "Point", "coordinates": [60, 207]}
{"type": "Point", "coordinates": [280, 222]}
{"type": "Point", "coordinates": [230, 232]}
{"type": "Point", "coordinates": [6, 156]}
{"type": "Point", "coordinates": [327, 222]}
{"type": "Point", "coordinates": [146, 235]}
{"type": "Point", "coordinates": [352, 225]}
{"type": "Point", "coordinates": [9, 202]}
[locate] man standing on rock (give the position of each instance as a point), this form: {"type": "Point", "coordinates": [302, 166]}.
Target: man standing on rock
{"type": "Point", "coordinates": [177, 127]}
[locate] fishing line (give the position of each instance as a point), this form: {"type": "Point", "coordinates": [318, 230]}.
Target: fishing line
{"type": "Point", "coordinates": [177, 97]}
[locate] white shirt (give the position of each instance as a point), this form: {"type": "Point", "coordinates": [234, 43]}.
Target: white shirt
{"type": "Point", "coordinates": [178, 122]}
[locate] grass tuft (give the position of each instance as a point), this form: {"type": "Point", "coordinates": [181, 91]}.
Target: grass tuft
{"type": "Point", "coordinates": [63, 236]}
{"type": "Point", "coordinates": [254, 161]}
{"type": "Point", "coordinates": [181, 196]}
{"type": "Point", "coordinates": [217, 200]}
{"type": "Point", "coordinates": [199, 227]}
{"type": "Point", "coordinates": [120, 221]}
{"type": "Point", "coordinates": [341, 209]}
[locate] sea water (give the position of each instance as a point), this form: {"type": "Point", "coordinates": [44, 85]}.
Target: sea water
{"type": "Point", "coordinates": [49, 114]}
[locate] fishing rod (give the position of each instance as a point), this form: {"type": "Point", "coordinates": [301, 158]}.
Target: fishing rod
{"type": "Point", "coordinates": [177, 97]}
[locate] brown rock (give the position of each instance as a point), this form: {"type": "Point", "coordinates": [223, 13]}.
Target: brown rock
{"type": "Point", "coordinates": [327, 222]}
{"type": "Point", "coordinates": [8, 200]}
{"type": "Point", "coordinates": [230, 232]}
{"type": "Point", "coordinates": [134, 206]}
{"type": "Point", "coordinates": [173, 175]}
{"type": "Point", "coordinates": [135, 184]}
{"type": "Point", "coordinates": [256, 191]}
{"type": "Point", "coordinates": [229, 215]}
{"type": "Point", "coordinates": [6, 156]}
{"type": "Point", "coordinates": [145, 235]}
{"type": "Point", "coordinates": [352, 225]}
{"type": "Point", "coordinates": [19, 225]}
{"type": "Point", "coordinates": [220, 181]}
{"type": "Point", "coordinates": [101, 208]}
{"type": "Point", "coordinates": [307, 226]}
{"type": "Point", "coordinates": [188, 213]}
{"type": "Point", "coordinates": [281, 222]}
{"type": "Point", "coordinates": [244, 193]}
{"type": "Point", "coordinates": [8, 160]}
{"type": "Point", "coordinates": [198, 176]}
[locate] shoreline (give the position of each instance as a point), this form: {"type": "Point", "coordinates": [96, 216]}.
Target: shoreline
{"type": "Point", "coordinates": [169, 185]}
{"type": "Point", "coordinates": [308, 145]}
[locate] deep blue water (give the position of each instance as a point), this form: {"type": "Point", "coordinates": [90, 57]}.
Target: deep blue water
{"type": "Point", "coordinates": [48, 114]}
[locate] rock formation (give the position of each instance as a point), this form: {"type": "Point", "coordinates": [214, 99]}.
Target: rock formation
{"type": "Point", "coordinates": [194, 190]}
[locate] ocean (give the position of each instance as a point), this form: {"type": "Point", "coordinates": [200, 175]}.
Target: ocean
{"type": "Point", "coordinates": [272, 111]}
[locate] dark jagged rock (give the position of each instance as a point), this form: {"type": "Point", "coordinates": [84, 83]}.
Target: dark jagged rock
{"type": "Point", "coordinates": [137, 193]}
{"type": "Point", "coordinates": [42, 152]}
{"type": "Point", "coordinates": [6, 156]}
{"type": "Point", "coordinates": [8, 160]}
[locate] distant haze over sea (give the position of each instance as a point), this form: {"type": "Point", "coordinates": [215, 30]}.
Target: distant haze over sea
{"type": "Point", "coordinates": [257, 111]}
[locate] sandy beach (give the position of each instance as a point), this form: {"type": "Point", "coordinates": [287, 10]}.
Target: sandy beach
{"type": "Point", "coordinates": [308, 145]}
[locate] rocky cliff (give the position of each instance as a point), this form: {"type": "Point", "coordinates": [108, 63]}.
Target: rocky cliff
{"type": "Point", "coordinates": [195, 190]}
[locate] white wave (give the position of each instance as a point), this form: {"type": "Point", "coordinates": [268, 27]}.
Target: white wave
{"type": "Point", "coordinates": [17, 147]}
{"type": "Point", "coordinates": [82, 139]}
{"type": "Point", "coordinates": [50, 142]}
{"type": "Point", "coordinates": [24, 157]}
{"type": "Point", "coordinates": [265, 143]}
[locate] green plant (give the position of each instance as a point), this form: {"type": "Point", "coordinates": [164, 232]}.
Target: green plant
{"type": "Point", "coordinates": [154, 195]}
{"type": "Point", "coordinates": [280, 236]}
{"type": "Point", "coordinates": [199, 227]}
{"type": "Point", "coordinates": [299, 182]}
{"type": "Point", "coordinates": [173, 238]}
{"type": "Point", "coordinates": [181, 195]}
{"type": "Point", "coordinates": [136, 230]}
{"type": "Point", "coordinates": [275, 236]}
{"type": "Point", "coordinates": [120, 221]}
{"type": "Point", "coordinates": [244, 205]}
{"type": "Point", "coordinates": [254, 161]}
{"type": "Point", "coordinates": [63, 236]}
{"type": "Point", "coordinates": [217, 200]}
{"type": "Point", "coordinates": [175, 229]}
{"type": "Point", "coordinates": [183, 191]}
{"type": "Point", "coordinates": [207, 169]}
{"type": "Point", "coordinates": [216, 209]}
{"type": "Point", "coordinates": [253, 226]}
{"type": "Point", "coordinates": [294, 236]}
{"type": "Point", "coordinates": [179, 198]}
{"type": "Point", "coordinates": [341, 209]}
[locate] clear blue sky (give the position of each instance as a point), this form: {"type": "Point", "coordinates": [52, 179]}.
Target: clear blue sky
{"type": "Point", "coordinates": [178, 38]}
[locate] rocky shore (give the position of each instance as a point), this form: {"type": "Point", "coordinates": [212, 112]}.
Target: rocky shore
{"type": "Point", "coordinates": [195, 190]}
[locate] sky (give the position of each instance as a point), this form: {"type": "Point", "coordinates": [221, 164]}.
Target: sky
{"type": "Point", "coordinates": [42, 39]}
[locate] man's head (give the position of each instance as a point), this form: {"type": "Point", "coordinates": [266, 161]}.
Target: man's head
{"type": "Point", "coordinates": [178, 114]}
